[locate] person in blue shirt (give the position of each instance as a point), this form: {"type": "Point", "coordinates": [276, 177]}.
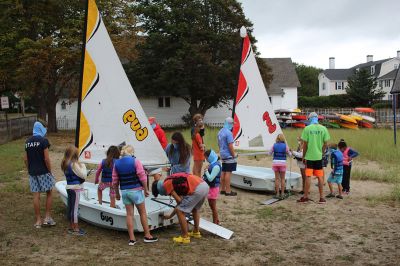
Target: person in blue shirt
{"type": "Point", "coordinates": [336, 175]}
{"type": "Point", "coordinates": [179, 153]}
{"type": "Point", "coordinates": [228, 156]}
{"type": "Point", "coordinates": [348, 155]}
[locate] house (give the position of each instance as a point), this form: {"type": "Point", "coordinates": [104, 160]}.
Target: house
{"type": "Point", "coordinates": [169, 110]}
{"type": "Point", "coordinates": [333, 81]}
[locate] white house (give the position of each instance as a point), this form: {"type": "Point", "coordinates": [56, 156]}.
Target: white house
{"type": "Point", "coordinates": [334, 81]}
{"type": "Point", "coordinates": [169, 110]}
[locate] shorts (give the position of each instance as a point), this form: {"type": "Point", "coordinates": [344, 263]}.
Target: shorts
{"type": "Point", "coordinates": [337, 178]}
{"type": "Point", "coordinates": [213, 193]}
{"type": "Point", "coordinates": [103, 186]}
{"type": "Point", "coordinates": [195, 200]}
{"type": "Point", "coordinates": [279, 168]}
{"type": "Point", "coordinates": [314, 168]}
{"type": "Point", "coordinates": [41, 183]}
{"type": "Point", "coordinates": [229, 167]}
{"type": "Point", "coordinates": [130, 197]}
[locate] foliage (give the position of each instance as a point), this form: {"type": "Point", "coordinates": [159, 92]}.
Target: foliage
{"type": "Point", "coordinates": [341, 100]}
{"type": "Point", "coordinates": [362, 89]}
{"type": "Point", "coordinates": [382, 104]}
{"type": "Point", "coordinates": [308, 77]}
{"type": "Point", "coordinates": [192, 50]}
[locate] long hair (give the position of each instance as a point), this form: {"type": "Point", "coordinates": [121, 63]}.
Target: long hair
{"type": "Point", "coordinates": [280, 138]}
{"type": "Point", "coordinates": [112, 153]}
{"type": "Point", "coordinates": [184, 148]}
{"type": "Point", "coordinates": [71, 155]}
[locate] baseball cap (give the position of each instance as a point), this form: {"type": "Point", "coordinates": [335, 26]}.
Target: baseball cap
{"type": "Point", "coordinates": [312, 114]}
{"type": "Point", "coordinates": [229, 120]}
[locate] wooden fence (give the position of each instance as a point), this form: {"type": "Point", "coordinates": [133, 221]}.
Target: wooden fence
{"type": "Point", "coordinates": [15, 128]}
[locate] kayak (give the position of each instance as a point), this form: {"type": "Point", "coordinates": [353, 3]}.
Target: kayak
{"type": "Point", "coordinates": [364, 110]}
{"type": "Point", "coordinates": [346, 118]}
{"type": "Point", "coordinates": [348, 125]}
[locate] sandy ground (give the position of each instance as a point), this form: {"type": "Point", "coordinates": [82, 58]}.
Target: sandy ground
{"type": "Point", "coordinates": [341, 232]}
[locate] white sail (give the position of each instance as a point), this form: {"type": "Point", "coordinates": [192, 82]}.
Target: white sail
{"type": "Point", "coordinates": [110, 113]}
{"type": "Point", "coordinates": [256, 126]}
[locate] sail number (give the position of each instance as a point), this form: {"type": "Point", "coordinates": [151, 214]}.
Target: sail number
{"type": "Point", "coordinates": [140, 133]}
{"type": "Point", "coordinates": [271, 126]}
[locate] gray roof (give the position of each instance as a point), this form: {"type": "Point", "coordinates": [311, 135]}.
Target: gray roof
{"type": "Point", "coordinates": [338, 74]}
{"type": "Point", "coordinates": [396, 84]}
{"type": "Point", "coordinates": [284, 75]}
{"type": "Point", "coordinates": [390, 75]}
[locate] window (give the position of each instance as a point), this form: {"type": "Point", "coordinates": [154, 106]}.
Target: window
{"type": "Point", "coordinates": [390, 97]}
{"type": "Point", "coordinates": [164, 102]}
{"type": "Point", "coordinates": [381, 84]}
{"type": "Point", "coordinates": [387, 82]}
{"type": "Point", "coordinates": [63, 105]}
{"type": "Point", "coordinates": [372, 70]}
{"type": "Point", "coordinates": [323, 86]}
{"type": "Point", "coordinates": [339, 85]}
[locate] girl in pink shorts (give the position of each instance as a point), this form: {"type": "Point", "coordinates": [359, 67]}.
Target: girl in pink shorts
{"type": "Point", "coordinates": [279, 151]}
{"type": "Point", "coordinates": [105, 168]}
{"type": "Point", "coordinates": [212, 177]}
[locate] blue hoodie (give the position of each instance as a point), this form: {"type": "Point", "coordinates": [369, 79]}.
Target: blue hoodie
{"type": "Point", "coordinates": [39, 129]}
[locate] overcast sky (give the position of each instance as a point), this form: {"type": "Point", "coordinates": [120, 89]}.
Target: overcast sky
{"type": "Point", "coordinates": [311, 31]}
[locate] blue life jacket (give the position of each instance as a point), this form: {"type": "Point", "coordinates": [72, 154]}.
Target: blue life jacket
{"type": "Point", "coordinates": [106, 172]}
{"type": "Point", "coordinates": [217, 179]}
{"type": "Point", "coordinates": [72, 178]}
{"type": "Point", "coordinates": [280, 151]}
{"type": "Point", "coordinates": [126, 170]}
{"type": "Point", "coordinates": [337, 161]}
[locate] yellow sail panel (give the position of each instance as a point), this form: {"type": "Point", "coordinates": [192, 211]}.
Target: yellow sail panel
{"type": "Point", "coordinates": [93, 19]}
{"type": "Point", "coordinates": [84, 133]}
{"type": "Point", "coordinates": [89, 74]}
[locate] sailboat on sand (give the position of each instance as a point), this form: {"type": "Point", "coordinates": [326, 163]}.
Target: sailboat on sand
{"type": "Point", "coordinates": [256, 126]}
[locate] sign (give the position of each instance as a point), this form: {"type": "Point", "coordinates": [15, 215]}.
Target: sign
{"type": "Point", "coordinates": [4, 103]}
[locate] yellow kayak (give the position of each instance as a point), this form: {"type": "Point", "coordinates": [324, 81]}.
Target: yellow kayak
{"type": "Point", "coordinates": [349, 125]}
{"type": "Point", "coordinates": [347, 118]}
{"type": "Point", "coordinates": [356, 117]}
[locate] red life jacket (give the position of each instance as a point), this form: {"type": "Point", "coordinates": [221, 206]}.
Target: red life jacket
{"type": "Point", "coordinates": [180, 183]}
{"type": "Point", "coordinates": [346, 159]}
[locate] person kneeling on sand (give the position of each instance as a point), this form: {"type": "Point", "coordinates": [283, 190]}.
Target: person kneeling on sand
{"type": "Point", "coordinates": [189, 192]}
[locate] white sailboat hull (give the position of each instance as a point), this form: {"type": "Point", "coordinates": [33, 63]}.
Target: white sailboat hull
{"type": "Point", "coordinates": [115, 218]}
{"type": "Point", "coordinates": [262, 179]}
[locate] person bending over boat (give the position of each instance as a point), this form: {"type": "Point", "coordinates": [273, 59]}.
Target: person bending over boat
{"type": "Point", "coordinates": [41, 180]}
{"type": "Point", "coordinates": [228, 156]}
{"type": "Point", "coordinates": [129, 175]}
{"type": "Point", "coordinates": [75, 173]}
{"type": "Point", "coordinates": [212, 176]}
{"type": "Point", "coordinates": [105, 169]}
{"type": "Point", "coordinates": [178, 152]}
{"type": "Point", "coordinates": [189, 192]}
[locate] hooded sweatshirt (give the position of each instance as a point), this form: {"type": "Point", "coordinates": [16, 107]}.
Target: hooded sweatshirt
{"type": "Point", "coordinates": [35, 147]}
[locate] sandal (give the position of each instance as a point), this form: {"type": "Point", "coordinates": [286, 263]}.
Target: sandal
{"type": "Point", "coordinates": [232, 193]}
{"type": "Point", "coordinates": [37, 226]}
{"type": "Point", "coordinates": [49, 221]}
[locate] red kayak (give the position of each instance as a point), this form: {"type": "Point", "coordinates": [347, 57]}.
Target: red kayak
{"type": "Point", "coordinates": [299, 117]}
{"type": "Point", "coordinates": [299, 125]}
{"type": "Point", "coordinates": [364, 110]}
{"type": "Point", "coordinates": [365, 124]}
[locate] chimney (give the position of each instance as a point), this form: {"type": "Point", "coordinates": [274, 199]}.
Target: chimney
{"type": "Point", "coordinates": [331, 63]}
{"type": "Point", "coordinates": [398, 54]}
{"type": "Point", "coordinates": [370, 58]}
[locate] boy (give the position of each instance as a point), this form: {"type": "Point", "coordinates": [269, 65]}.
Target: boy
{"type": "Point", "coordinates": [336, 175]}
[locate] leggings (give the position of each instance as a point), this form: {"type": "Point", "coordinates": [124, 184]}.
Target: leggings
{"type": "Point", "coordinates": [346, 177]}
{"type": "Point", "coordinates": [73, 203]}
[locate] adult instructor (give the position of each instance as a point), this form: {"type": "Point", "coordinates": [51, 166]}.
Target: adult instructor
{"type": "Point", "coordinates": [315, 138]}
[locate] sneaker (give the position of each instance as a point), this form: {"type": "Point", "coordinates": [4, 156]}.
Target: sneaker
{"type": "Point", "coordinates": [276, 196]}
{"type": "Point", "coordinates": [49, 221]}
{"type": "Point", "coordinates": [303, 200]}
{"type": "Point", "coordinates": [330, 195]}
{"type": "Point", "coordinates": [232, 193]}
{"type": "Point", "coordinates": [339, 196]}
{"type": "Point", "coordinates": [346, 192]}
{"type": "Point", "coordinates": [150, 240]}
{"type": "Point", "coordinates": [195, 234]}
{"type": "Point", "coordinates": [322, 201]}
{"type": "Point", "coordinates": [181, 240]}
{"type": "Point", "coordinates": [80, 232]}
{"type": "Point", "coordinates": [132, 242]}
{"type": "Point", "coordinates": [37, 226]}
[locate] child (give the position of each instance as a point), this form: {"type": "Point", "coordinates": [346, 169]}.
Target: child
{"type": "Point", "coordinates": [105, 168]}
{"type": "Point", "coordinates": [336, 175]}
{"type": "Point", "coordinates": [189, 192]}
{"type": "Point", "coordinates": [198, 150]}
{"type": "Point", "coordinates": [279, 151]}
{"type": "Point", "coordinates": [178, 153]}
{"type": "Point", "coordinates": [129, 175]}
{"type": "Point", "coordinates": [348, 155]}
{"type": "Point", "coordinates": [212, 177]}
{"type": "Point", "coordinates": [75, 174]}
{"type": "Point", "coordinates": [159, 132]}
{"type": "Point", "coordinates": [298, 155]}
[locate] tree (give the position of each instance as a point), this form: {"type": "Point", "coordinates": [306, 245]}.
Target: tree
{"type": "Point", "coordinates": [191, 50]}
{"type": "Point", "coordinates": [308, 77]}
{"type": "Point", "coordinates": [362, 89]}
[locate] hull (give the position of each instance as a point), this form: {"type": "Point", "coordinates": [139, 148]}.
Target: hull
{"type": "Point", "coordinates": [299, 117]}
{"type": "Point", "coordinates": [261, 179]}
{"type": "Point", "coordinates": [349, 126]}
{"type": "Point", "coordinates": [115, 218]}
{"type": "Point", "coordinates": [365, 124]}
{"type": "Point", "coordinates": [331, 124]}
{"type": "Point", "coordinates": [364, 110]}
{"type": "Point", "coordinates": [299, 125]}
{"type": "Point", "coordinates": [347, 118]}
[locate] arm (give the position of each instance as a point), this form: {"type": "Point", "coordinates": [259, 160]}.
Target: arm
{"type": "Point", "coordinates": [304, 150]}
{"type": "Point", "coordinates": [353, 153]}
{"type": "Point", "coordinates": [288, 152]}
{"type": "Point", "coordinates": [47, 159]}
{"type": "Point", "coordinates": [214, 172]}
{"type": "Point", "coordinates": [199, 141]}
{"type": "Point", "coordinates": [177, 198]}
{"type": "Point", "coordinates": [98, 172]}
{"type": "Point", "coordinates": [271, 151]}
{"type": "Point", "coordinates": [142, 176]}
{"type": "Point", "coordinates": [79, 169]}
{"type": "Point", "coordinates": [297, 154]}
{"type": "Point", "coordinates": [232, 150]}
{"type": "Point", "coordinates": [172, 214]}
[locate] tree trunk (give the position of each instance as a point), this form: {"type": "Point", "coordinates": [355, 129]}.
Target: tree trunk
{"type": "Point", "coordinates": [51, 109]}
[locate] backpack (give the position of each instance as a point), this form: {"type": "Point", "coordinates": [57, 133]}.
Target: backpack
{"type": "Point", "coordinates": [180, 183]}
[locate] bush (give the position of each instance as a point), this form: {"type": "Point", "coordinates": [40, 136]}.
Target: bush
{"type": "Point", "coordinates": [339, 101]}
{"type": "Point", "coordinates": [383, 104]}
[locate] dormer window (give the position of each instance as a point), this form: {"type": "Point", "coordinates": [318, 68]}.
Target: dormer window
{"type": "Point", "coordinates": [372, 70]}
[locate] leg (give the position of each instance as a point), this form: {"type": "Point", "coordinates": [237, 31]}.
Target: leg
{"type": "Point", "coordinates": [143, 219]}
{"type": "Point", "coordinates": [75, 210]}
{"type": "Point", "coordinates": [112, 202]}
{"type": "Point", "coordinates": [197, 167]}
{"type": "Point", "coordinates": [196, 220]}
{"type": "Point", "coordinates": [307, 186]}
{"type": "Point", "coordinates": [36, 207]}
{"type": "Point", "coordinates": [277, 176]}
{"type": "Point", "coordinates": [228, 182]}
{"type": "Point", "coordinates": [100, 196]}
{"type": "Point", "coordinates": [321, 186]}
{"type": "Point", "coordinates": [340, 189]}
{"type": "Point", "coordinates": [330, 187]}
{"type": "Point", "coordinates": [222, 185]}
{"type": "Point", "coordinates": [283, 183]}
{"type": "Point", "coordinates": [213, 207]}
{"type": "Point", "coordinates": [49, 201]}
{"type": "Point", "coordinates": [348, 178]}
{"type": "Point", "coordinates": [182, 222]}
{"type": "Point", "coordinates": [303, 177]}
{"type": "Point", "coordinates": [129, 221]}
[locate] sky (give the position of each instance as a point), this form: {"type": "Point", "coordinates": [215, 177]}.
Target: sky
{"type": "Point", "coordinates": [311, 31]}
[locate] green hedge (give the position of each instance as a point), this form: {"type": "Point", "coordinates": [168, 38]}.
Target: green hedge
{"type": "Point", "coordinates": [340, 101]}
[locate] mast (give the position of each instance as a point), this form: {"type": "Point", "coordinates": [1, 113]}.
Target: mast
{"type": "Point", "coordinates": [243, 34]}
{"type": "Point", "coordinates": [78, 118]}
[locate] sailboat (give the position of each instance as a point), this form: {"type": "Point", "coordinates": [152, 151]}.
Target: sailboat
{"type": "Point", "coordinates": [256, 126]}
{"type": "Point", "coordinates": [109, 113]}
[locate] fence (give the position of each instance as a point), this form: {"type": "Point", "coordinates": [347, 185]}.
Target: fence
{"type": "Point", "coordinates": [15, 128]}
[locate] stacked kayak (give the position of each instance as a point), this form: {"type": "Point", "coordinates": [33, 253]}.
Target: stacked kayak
{"type": "Point", "coordinates": [331, 121]}
{"type": "Point", "coordinates": [347, 121]}
{"type": "Point", "coordinates": [364, 115]}
{"type": "Point", "coordinates": [299, 121]}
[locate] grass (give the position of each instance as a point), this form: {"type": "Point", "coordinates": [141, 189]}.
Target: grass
{"type": "Point", "coordinates": [11, 158]}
